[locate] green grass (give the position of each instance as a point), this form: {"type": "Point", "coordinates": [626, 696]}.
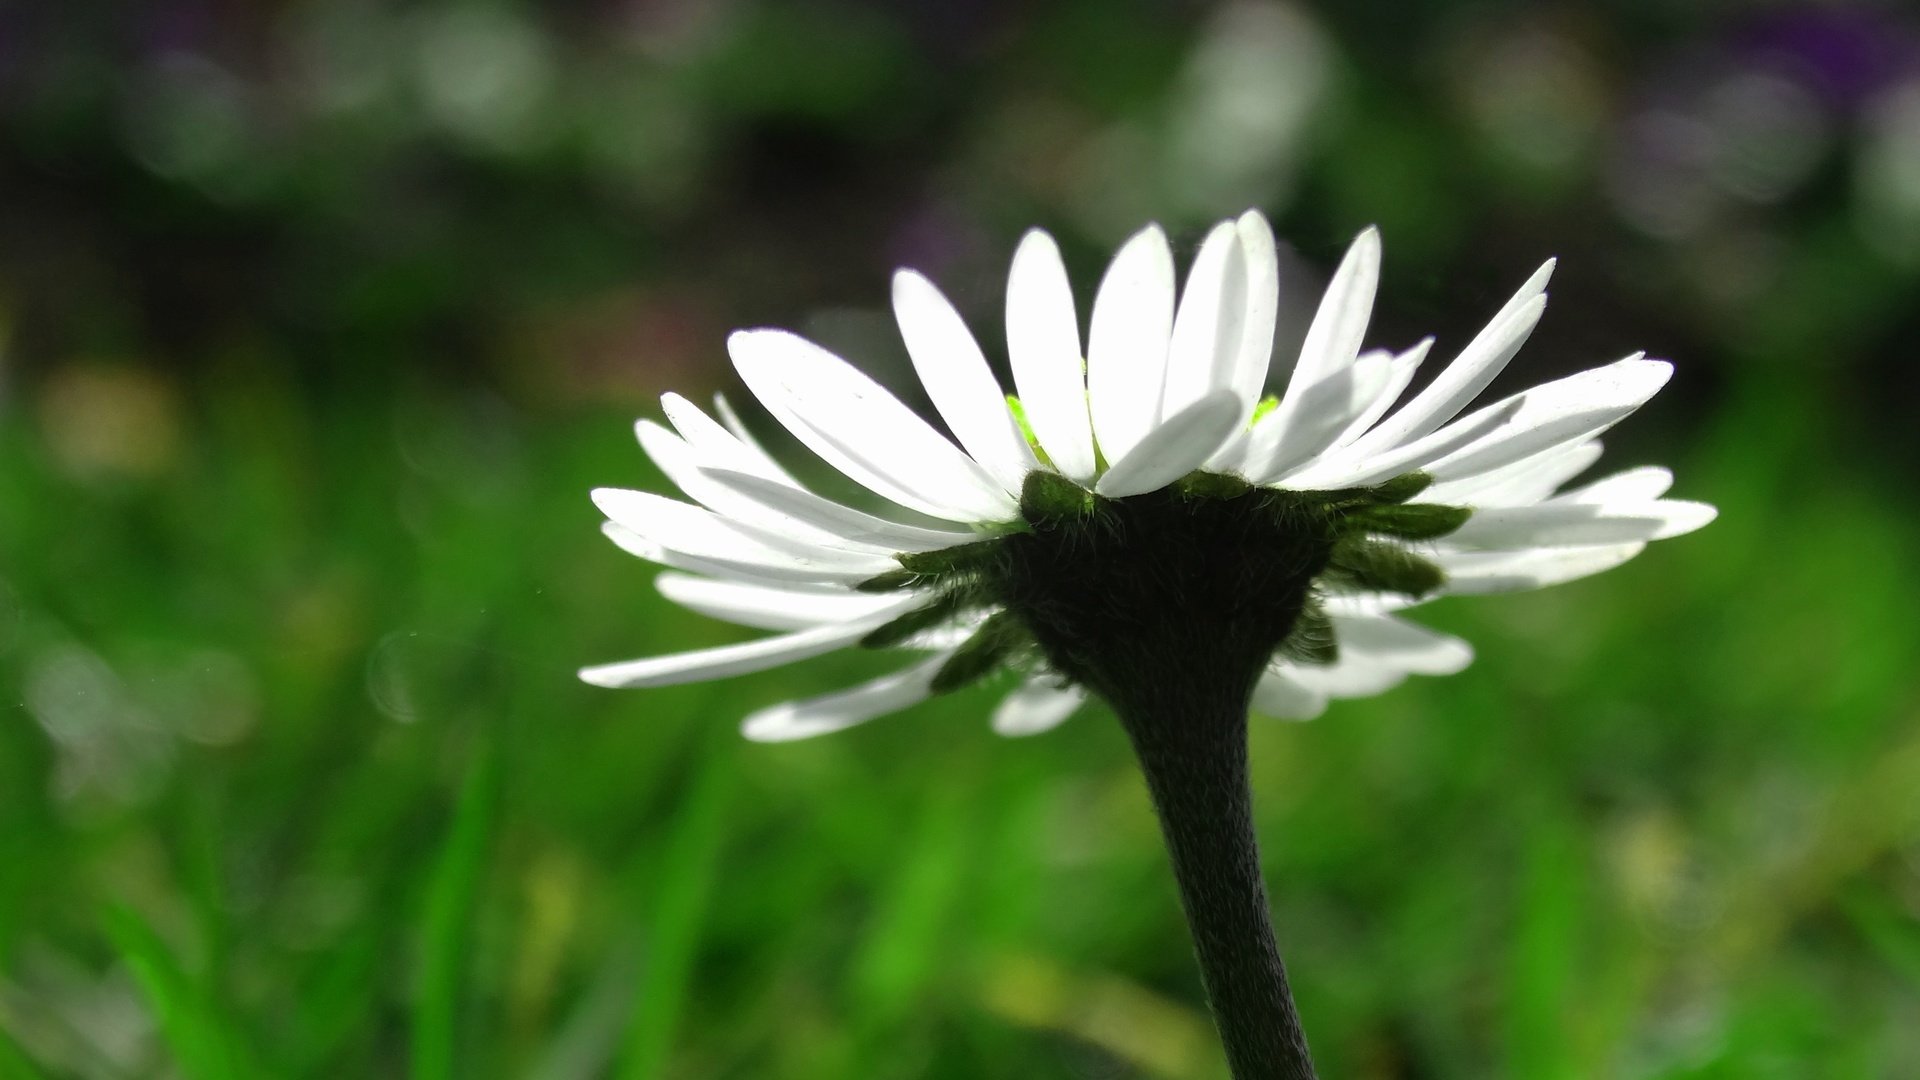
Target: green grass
{"type": "Point", "coordinates": [1660, 829]}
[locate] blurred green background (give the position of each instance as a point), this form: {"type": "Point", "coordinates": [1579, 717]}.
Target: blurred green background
{"type": "Point", "coordinates": [322, 318]}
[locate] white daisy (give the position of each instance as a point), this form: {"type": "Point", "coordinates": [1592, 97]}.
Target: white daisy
{"type": "Point", "coordinates": [1144, 500]}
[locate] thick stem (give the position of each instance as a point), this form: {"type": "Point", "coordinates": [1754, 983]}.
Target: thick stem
{"type": "Point", "coordinates": [1193, 750]}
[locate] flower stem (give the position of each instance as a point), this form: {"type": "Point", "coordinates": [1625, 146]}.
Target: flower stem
{"type": "Point", "coordinates": [1193, 749]}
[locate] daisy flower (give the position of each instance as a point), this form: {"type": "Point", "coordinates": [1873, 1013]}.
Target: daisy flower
{"type": "Point", "coordinates": [1144, 503]}
{"type": "Point", "coordinates": [1145, 527]}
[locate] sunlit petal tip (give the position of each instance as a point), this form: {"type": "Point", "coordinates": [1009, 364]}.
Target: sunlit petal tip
{"type": "Point", "coordinates": [1036, 237]}
{"type": "Point", "coordinates": [607, 675]}
{"type": "Point", "coordinates": [1204, 351]}
{"type": "Point", "coordinates": [956, 377]}
{"type": "Point", "coordinates": [632, 542]}
{"type": "Point", "coordinates": [1339, 323]}
{"type": "Point", "coordinates": [1448, 655]}
{"type": "Point", "coordinates": [746, 340]}
{"type": "Point", "coordinates": [1362, 259]}
{"type": "Point", "coordinates": [730, 420]}
{"type": "Point", "coordinates": [773, 724]}
{"type": "Point", "coordinates": [1458, 661]}
{"type": "Point", "coordinates": [1043, 346]}
{"type": "Point", "coordinates": [612, 500]}
{"type": "Point", "coordinates": [910, 290]}
{"type": "Point", "coordinates": [1658, 371]}
{"type": "Point", "coordinates": [843, 709]}
{"type": "Point", "coordinates": [1684, 516]}
{"type": "Point", "coordinates": [1127, 342]}
{"type": "Point", "coordinates": [1034, 708]}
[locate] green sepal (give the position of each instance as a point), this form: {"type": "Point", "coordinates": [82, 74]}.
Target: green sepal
{"type": "Point", "coordinates": [981, 654]}
{"type": "Point", "coordinates": [1409, 521]}
{"type": "Point", "coordinates": [921, 618]}
{"type": "Point", "coordinates": [1385, 567]}
{"type": "Point", "coordinates": [1400, 488]}
{"type": "Point", "coordinates": [1311, 641]}
{"type": "Point", "coordinates": [1209, 485]}
{"type": "Point", "coordinates": [890, 581]}
{"type": "Point", "coordinates": [1397, 490]}
{"type": "Point", "coordinates": [1047, 496]}
{"type": "Point", "coordinates": [949, 561]}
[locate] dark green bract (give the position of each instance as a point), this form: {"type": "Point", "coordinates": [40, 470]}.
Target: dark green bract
{"type": "Point", "coordinates": [1210, 569]}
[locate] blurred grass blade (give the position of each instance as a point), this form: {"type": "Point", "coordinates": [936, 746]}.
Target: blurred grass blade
{"type": "Point", "coordinates": [1545, 972]}
{"type": "Point", "coordinates": [185, 1017]}
{"type": "Point", "coordinates": [1888, 928]}
{"type": "Point", "coordinates": [903, 947]}
{"type": "Point", "coordinates": [14, 1064]}
{"type": "Point", "coordinates": [334, 1002]}
{"type": "Point", "coordinates": [684, 876]}
{"type": "Point", "coordinates": [452, 892]}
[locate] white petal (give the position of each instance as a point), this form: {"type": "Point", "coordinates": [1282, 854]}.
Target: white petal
{"type": "Point", "coordinates": [1574, 408]}
{"type": "Point", "coordinates": [1175, 448]}
{"type": "Point", "coordinates": [1034, 707]}
{"type": "Point", "coordinates": [676, 526]}
{"type": "Point", "coordinates": [765, 607]}
{"type": "Point", "coordinates": [1205, 347]}
{"type": "Point", "coordinates": [1333, 339]}
{"type": "Point", "coordinates": [1043, 342]}
{"type": "Point", "coordinates": [1324, 412]}
{"type": "Point", "coordinates": [724, 410]}
{"type": "Point", "coordinates": [856, 426]}
{"type": "Point", "coordinates": [1474, 572]}
{"type": "Point", "coordinates": [1683, 516]}
{"type": "Point", "coordinates": [1578, 524]}
{"type": "Point", "coordinates": [844, 708]}
{"type": "Point", "coordinates": [1262, 304]}
{"type": "Point", "coordinates": [1634, 485]}
{"type": "Point", "coordinates": [678, 462]}
{"type": "Point", "coordinates": [1343, 470]}
{"type": "Point", "coordinates": [957, 378]}
{"type": "Point", "coordinates": [1365, 605]}
{"type": "Point", "coordinates": [1398, 376]}
{"type": "Point", "coordinates": [1470, 372]}
{"type": "Point", "coordinates": [1127, 342]}
{"type": "Point", "coordinates": [1232, 455]}
{"type": "Point", "coordinates": [1520, 484]}
{"type": "Point", "coordinates": [729, 660]}
{"type": "Point", "coordinates": [717, 445]}
{"type": "Point", "coordinates": [1410, 646]}
{"type": "Point", "coordinates": [1256, 337]}
{"type": "Point", "coordinates": [948, 636]}
{"type": "Point", "coordinates": [835, 518]}
{"type": "Point", "coordinates": [1350, 677]}
{"type": "Point", "coordinates": [782, 574]}
{"type": "Point", "coordinates": [1279, 696]}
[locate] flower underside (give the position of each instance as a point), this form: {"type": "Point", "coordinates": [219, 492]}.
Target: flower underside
{"type": "Point", "coordinates": [1140, 519]}
{"type": "Point", "coordinates": [1210, 567]}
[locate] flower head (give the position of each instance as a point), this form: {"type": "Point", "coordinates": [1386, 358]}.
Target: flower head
{"type": "Point", "coordinates": [1145, 504]}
